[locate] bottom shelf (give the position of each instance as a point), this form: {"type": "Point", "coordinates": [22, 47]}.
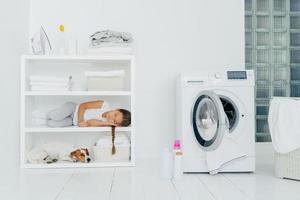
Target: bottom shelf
{"type": "Point", "coordinates": [78, 165]}
{"type": "Point", "coordinates": [37, 146]}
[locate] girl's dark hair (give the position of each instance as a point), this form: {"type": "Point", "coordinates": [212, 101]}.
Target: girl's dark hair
{"type": "Point", "coordinates": [126, 117]}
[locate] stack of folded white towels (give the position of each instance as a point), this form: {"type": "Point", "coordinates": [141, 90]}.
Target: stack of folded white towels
{"type": "Point", "coordinates": [51, 83]}
{"type": "Point", "coordinates": [110, 42]}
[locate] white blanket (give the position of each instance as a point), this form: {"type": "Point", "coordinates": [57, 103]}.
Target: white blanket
{"type": "Point", "coordinates": [228, 151]}
{"type": "Point", "coordinates": [50, 79]}
{"type": "Point", "coordinates": [284, 124]}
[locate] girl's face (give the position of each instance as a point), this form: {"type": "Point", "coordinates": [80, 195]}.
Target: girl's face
{"type": "Point", "coordinates": [115, 116]}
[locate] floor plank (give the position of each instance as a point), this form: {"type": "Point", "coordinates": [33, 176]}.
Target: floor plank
{"type": "Point", "coordinates": [190, 188]}
{"type": "Point", "coordinates": [263, 185]}
{"type": "Point", "coordinates": [43, 184]}
{"type": "Point", "coordinates": [127, 184]}
{"type": "Point", "coordinates": [155, 187]}
{"type": "Point", "coordinates": [90, 184]}
{"type": "Point", "coordinates": [221, 188]}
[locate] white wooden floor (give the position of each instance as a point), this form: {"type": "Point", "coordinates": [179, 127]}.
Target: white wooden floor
{"type": "Point", "coordinates": [143, 182]}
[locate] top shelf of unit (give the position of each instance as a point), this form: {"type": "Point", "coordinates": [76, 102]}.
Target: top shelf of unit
{"type": "Point", "coordinates": [84, 58]}
{"type": "Point", "coordinates": [77, 93]}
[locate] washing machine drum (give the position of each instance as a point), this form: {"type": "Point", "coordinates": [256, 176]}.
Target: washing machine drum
{"type": "Point", "coordinates": [209, 120]}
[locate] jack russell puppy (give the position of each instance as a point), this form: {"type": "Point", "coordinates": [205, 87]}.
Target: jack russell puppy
{"type": "Point", "coordinates": [53, 152]}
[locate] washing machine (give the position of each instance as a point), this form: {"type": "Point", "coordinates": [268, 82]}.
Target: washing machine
{"type": "Point", "coordinates": [215, 119]}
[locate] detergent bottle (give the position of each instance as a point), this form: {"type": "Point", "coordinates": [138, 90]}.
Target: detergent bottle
{"type": "Point", "coordinates": [177, 160]}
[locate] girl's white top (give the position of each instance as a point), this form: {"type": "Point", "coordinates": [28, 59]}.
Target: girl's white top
{"type": "Point", "coordinates": [95, 113]}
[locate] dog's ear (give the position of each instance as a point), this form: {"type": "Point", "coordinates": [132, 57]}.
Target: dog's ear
{"type": "Point", "coordinates": [86, 151]}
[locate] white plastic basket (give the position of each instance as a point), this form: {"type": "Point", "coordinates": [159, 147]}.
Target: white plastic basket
{"type": "Point", "coordinates": [106, 80]}
{"type": "Point", "coordinates": [288, 165]}
{"type": "Point", "coordinates": [102, 151]}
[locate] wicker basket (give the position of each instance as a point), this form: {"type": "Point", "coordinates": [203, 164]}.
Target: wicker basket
{"type": "Point", "coordinates": [288, 165]}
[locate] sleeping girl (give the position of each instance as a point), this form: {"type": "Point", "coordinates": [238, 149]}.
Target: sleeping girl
{"type": "Point", "coordinates": [94, 113]}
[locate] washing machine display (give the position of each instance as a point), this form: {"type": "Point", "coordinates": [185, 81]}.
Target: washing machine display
{"type": "Point", "coordinates": [232, 75]}
{"type": "Point", "coordinates": [208, 120]}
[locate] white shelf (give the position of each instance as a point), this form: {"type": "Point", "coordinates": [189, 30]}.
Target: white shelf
{"type": "Point", "coordinates": [86, 58]}
{"type": "Point", "coordinates": [56, 65]}
{"type": "Point", "coordinates": [77, 93]}
{"type": "Point", "coordinates": [75, 129]}
{"type": "Point", "coordinates": [79, 165]}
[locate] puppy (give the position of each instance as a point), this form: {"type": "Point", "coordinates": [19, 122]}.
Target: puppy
{"type": "Point", "coordinates": [53, 152]}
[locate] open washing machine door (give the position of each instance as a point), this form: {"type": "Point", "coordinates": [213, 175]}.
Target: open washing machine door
{"type": "Point", "coordinates": [208, 120]}
{"type": "Point", "coordinates": [211, 129]}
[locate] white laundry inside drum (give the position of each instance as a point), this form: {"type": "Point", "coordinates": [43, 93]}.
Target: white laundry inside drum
{"type": "Point", "coordinates": [207, 120]}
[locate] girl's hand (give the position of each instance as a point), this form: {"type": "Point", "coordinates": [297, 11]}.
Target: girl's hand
{"type": "Point", "coordinates": [83, 124]}
{"type": "Point", "coordinates": [111, 124]}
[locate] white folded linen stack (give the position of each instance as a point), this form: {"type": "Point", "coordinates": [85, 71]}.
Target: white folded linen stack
{"type": "Point", "coordinates": [50, 83]}
{"type": "Point", "coordinates": [110, 42]}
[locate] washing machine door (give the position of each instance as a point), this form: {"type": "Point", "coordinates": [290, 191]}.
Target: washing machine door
{"type": "Point", "coordinates": [209, 120]}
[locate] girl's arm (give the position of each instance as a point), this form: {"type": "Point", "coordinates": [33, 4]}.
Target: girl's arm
{"type": "Point", "coordinates": [94, 122]}
{"type": "Point", "coordinates": [85, 106]}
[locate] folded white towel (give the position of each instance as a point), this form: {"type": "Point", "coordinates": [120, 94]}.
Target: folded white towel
{"type": "Point", "coordinates": [50, 78]}
{"type": "Point", "coordinates": [40, 83]}
{"type": "Point", "coordinates": [284, 124]}
{"type": "Point", "coordinates": [50, 88]}
{"type": "Point", "coordinates": [115, 73]}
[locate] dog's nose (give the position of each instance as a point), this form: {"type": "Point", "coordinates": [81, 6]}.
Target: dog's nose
{"type": "Point", "coordinates": [89, 160]}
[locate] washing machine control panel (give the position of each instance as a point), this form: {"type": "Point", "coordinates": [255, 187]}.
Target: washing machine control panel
{"type": "Point", "coordinates": [236, 75]}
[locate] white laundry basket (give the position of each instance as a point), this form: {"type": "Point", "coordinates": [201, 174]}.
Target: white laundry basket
{"type": "Point", "coordinates": [102, 151]}
{"type": "Point", "coordinates": [288, 165]}
{"type": "Point", "coordinates": [105, 80]}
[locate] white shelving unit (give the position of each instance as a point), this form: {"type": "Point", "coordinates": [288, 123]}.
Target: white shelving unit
{"type": "Point", "coordinates": [32, 135]}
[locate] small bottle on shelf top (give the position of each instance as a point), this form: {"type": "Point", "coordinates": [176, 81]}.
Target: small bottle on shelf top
{"type": "Point", "coordinates": [62, 42]}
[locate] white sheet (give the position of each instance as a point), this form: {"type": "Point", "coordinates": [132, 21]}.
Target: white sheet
{"type": "Point", "coordinates": [50, 79]}
{"type": "Point", "coordinates": [284, 124]}
{"type": "Point", "coordinates": [228, 151]}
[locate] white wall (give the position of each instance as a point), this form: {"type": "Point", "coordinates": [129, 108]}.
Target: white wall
{"type": "Point", "coordinates": [14, 16]}
{"type": "Point", "coordinates": [171, 36]}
